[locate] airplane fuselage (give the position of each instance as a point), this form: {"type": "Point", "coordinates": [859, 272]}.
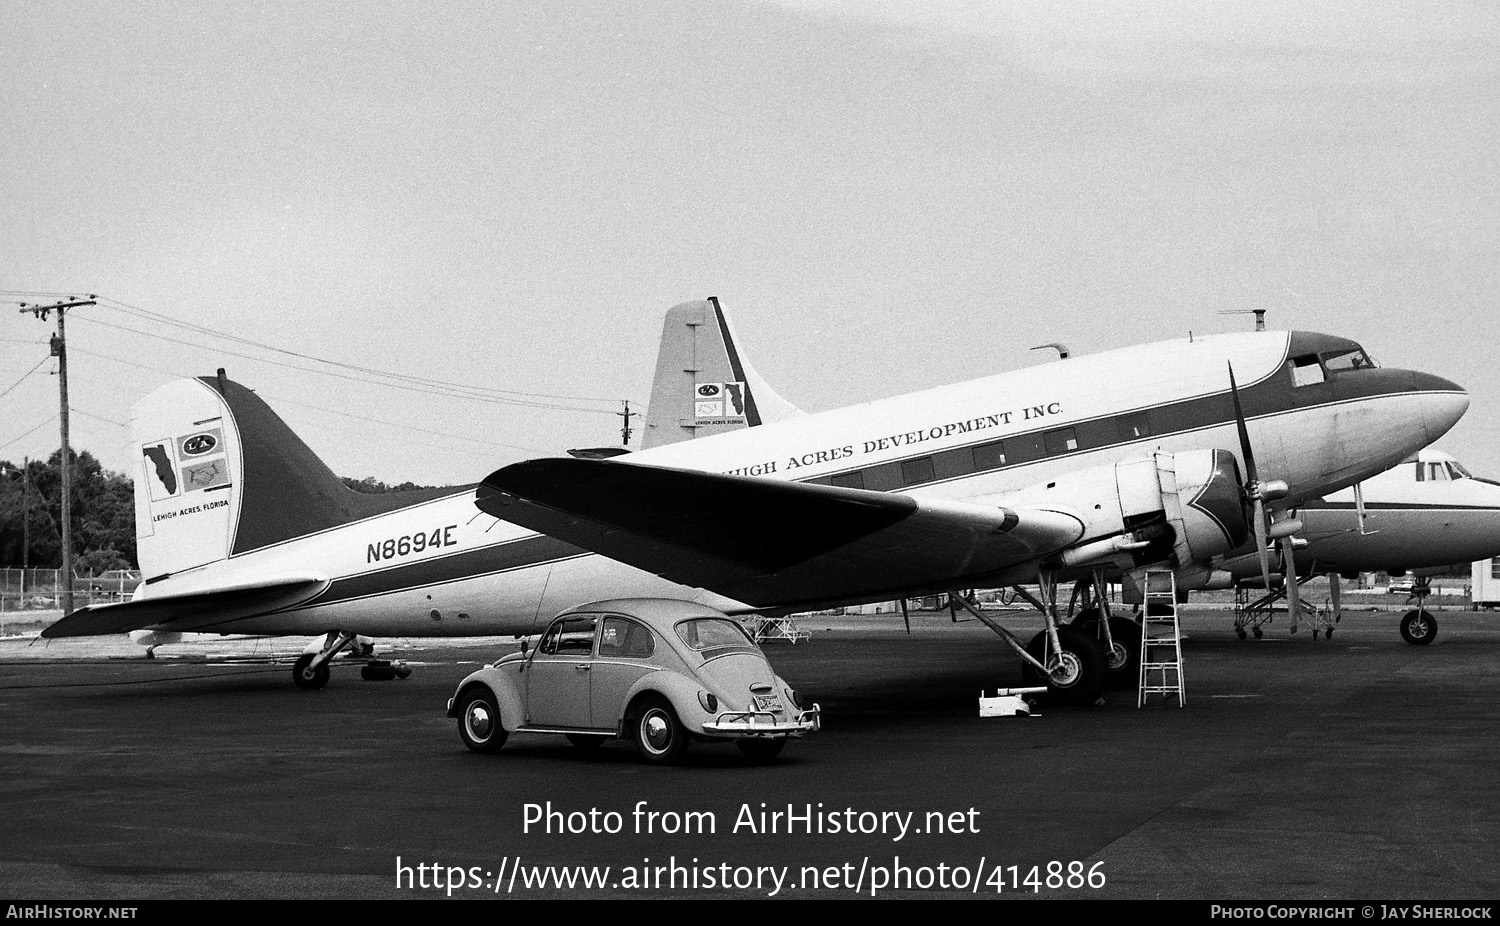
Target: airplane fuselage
{"type": "Point", "coordinates": [442, 567]}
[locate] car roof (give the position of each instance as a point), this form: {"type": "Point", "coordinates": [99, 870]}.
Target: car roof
{"type": "Point", "coordinates": [655, 610]}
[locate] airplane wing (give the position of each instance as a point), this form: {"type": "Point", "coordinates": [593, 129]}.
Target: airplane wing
{"type": "Point", "coordinates": [190, 610]}
{"type": "Point", "coordinates": [766, 542]}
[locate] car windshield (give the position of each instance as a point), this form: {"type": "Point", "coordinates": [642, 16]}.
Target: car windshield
{"type": "Point", "coordinates": [713, 633]}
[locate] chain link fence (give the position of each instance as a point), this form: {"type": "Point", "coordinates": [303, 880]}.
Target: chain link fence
{"type": "Point", "coordinates": [41, 589]}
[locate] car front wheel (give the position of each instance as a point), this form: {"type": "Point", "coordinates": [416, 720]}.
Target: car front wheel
{"type": "Point", "coordinates": [660, 737]}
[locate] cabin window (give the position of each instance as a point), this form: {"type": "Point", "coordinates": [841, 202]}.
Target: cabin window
{"type": "Point", "coordinates": [915, 472]}
{"type": "Point", "coordinates": [1133, 426]}
{"type": "Point", "coordinates": [1495, 568]}
{"type": "Point", "coordinates": [1062, 440]}
{"type": "Point", "coordinates": [625, 638]}
{"type": "Point", "coordinates": [989, 456]}
{"type": "Point", "coordinates": [1306, 371]}
{"type": "Point", "coordinates": [854, 480]}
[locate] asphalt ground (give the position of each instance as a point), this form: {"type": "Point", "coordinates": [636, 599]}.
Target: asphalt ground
{"type": "Point", "coordinates": [1354, 768]}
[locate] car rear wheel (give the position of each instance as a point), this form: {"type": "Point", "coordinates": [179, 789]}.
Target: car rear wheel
{"type": "Point", "coordinates": [479, 720]}
{"type": "Point", "coordinates": [659, 736]}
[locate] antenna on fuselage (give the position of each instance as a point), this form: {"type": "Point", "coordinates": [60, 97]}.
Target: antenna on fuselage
{"type": "Point", "coordinates": [1062, 349]}
{"type": "Point", "coordinates": [1260, 316]}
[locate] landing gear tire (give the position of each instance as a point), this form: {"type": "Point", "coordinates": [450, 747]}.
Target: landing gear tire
{"type": "Point", "coordinates": [479, 723]}
{"type": "Point", "coordinates": [1418, 627]}
{"type": "Point", "coordinates": [659, 736]}
{"type": "Point", "coordinates": [586, 741]}
{"type": "Point", "coordinates": [1123, 659]}
{"type": "Point", "coordinates": [1259, 633]}
{"type": "Point", "coordinates": [1076, 674]}
{"type": "Point", "coordinates": [760, 750]}
{"type": "Point", "coordinates": [307, 677]}
{"type": "Point", "coordinates": [1240, 632]}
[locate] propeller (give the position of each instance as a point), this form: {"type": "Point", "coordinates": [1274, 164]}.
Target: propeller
{"type": "Point", "coordinates": [1259, 492]}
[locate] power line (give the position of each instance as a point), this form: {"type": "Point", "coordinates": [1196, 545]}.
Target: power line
{"type": "Point", "coordinates": [452, 391]}
{"type": "Point", "coordinates": [117, 305]}
{"type": "Point", "coordinates": [29, 433]}
{"type": "Point", "coordinates": [24, 375]}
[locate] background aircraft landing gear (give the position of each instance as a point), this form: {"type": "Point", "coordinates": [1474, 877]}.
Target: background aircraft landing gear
{"type": "Point", "coordinates": [307, 676]}
{"type": "Point", "coordinates": [1418, 627]}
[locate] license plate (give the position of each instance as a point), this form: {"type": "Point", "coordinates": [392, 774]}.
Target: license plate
{"type": "Point", "coordinates": [768, 702]}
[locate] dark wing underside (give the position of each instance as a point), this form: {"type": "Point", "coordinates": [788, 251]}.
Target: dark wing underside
{"type": "Point", "coordinates": [766, 542]}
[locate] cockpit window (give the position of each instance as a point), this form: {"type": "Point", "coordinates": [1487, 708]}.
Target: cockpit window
{"type": "Point", "coordinates": [1458, 471]}
{"type": "Point", "coordinates": [1340, 360]}
{"type": "Point", "coordinates": [1434, 472]}
{"type": "Point", "coordinates": [1306, 370]}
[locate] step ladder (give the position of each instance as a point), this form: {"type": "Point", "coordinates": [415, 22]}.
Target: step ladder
{"type": "Point", "coordinates": [1161, 639]}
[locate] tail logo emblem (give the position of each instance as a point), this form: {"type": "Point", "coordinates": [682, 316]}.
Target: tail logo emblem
{"type": "Point", "coordinates": [199, 444]}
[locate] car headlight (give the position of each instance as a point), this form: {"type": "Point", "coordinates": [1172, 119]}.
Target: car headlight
{"type": "Point", "coordinates": [709, 701]}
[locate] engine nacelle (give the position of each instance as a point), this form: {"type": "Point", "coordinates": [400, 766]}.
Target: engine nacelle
{"type": "Point", "coordinates": [1184, 508]}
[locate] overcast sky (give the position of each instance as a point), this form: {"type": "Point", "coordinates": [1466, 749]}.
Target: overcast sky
{"type": "Point", "coordinates": [885, 196]}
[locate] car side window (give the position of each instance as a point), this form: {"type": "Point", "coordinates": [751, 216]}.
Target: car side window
{"type": "Point", "coordinates": [573, 636]}
{"type": "Point", "coordinates": [625, 639]}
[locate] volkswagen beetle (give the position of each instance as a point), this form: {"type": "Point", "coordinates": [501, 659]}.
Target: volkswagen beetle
{"type": "Point", "coordinates": [657, 672]}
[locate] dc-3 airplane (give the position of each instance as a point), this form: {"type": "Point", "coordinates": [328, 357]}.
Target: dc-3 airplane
{"type": "Point", "coordinates": [1424, 515]}
{"type": "Point", "coordinates": [1163, 454]}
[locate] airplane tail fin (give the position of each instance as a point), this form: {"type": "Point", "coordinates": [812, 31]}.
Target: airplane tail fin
{"type": "Point", "coordinates": [220, 474]}
{"type": "Point", "coordinates": [704, 385]}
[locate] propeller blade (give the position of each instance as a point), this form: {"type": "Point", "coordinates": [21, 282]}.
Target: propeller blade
{"type": "Point", "coordinates": [1262, 541]}
{"type": "Point", "coordinates": [1293, 594]}
{"type": "Point", "coordinates": [1252, 476]}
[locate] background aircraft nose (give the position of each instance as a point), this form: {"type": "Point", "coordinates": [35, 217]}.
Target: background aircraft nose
{"type": "Point", "coordinates": [1443, 404]}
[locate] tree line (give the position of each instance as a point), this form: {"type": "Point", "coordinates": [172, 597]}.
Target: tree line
{"type": "Point", "coordinates": [102, 512]}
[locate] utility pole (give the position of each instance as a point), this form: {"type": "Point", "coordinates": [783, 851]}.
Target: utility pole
{"type": "Point", "coordinates": [60, 351]}
{"type": "Point", "coordinates": [627, 414]}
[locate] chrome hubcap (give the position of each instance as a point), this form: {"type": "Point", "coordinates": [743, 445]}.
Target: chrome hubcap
{"type": "Point", "coordinates": [1065, 670]}
{"type": "Point", "coordinates": [656, 731]}
{"type": "Point", "coordinates": [479, 721]}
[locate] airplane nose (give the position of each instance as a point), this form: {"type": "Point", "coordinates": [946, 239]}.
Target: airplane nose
{"type": "Point", "coordinates": [1444, 402]}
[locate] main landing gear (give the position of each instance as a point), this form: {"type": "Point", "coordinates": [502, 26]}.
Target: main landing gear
{"type": "Point", "coordinates": [310, 672]}
{"type": "Point", "coordinates": [1070, 663]}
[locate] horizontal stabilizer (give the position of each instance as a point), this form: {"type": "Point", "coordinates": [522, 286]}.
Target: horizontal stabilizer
{"type": "Point", "coordinates": [766, 542]}
{"type": "Point", "coordinates": [203, 610]}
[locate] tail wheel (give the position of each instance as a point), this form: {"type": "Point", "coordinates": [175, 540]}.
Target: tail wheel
{"type": "Point", "coordinates": [659, 736]}
{"type": "Point", "coordinates": [1418, 627]}
{"type": "Point", "coordinates": [479, 723]}
{"type": "Point", "coordinates": [1076, 674]}
{"type": "Point", "coordinates": [306, 676]}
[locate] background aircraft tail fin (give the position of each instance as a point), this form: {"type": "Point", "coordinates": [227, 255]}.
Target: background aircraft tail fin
{"type": "Point", "coordinates": [704, 385]}
{"type": "Point", "coordinates": [220, 474]}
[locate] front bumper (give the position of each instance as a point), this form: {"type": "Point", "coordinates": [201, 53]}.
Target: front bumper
{"type": "Point", "coordinates": [744, 724]}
